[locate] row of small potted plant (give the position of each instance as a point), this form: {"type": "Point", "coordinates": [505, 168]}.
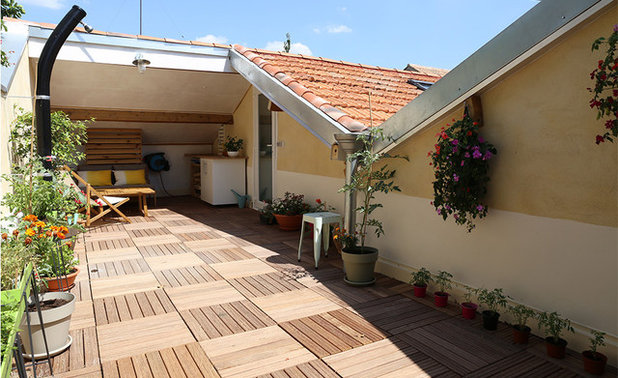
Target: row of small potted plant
{"type": "Point", "coordinates": [493, 300]}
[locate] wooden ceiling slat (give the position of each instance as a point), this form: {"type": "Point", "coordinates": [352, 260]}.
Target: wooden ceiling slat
{"type": "Point", "coordinates": [144, 116]}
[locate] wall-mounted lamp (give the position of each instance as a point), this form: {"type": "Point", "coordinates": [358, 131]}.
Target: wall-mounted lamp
{"type": "Point", "coordinates": [141, 63]}
{"type": "Point", "coordinates": [88, 28]}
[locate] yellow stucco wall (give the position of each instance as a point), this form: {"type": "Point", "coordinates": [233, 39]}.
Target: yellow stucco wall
{"type": "Point", "coordinates": [539, 120]}
{"type": "Point", "coordinates": [243, 124]}
{"type": "Point", "coordinates": [302, 152]}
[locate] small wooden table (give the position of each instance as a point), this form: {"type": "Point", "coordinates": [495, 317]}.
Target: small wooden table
{"type": "Point", "coordinates": [140, 193]}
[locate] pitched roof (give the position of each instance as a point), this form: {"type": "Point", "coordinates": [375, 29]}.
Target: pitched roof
{"type": "Point", "coordinates": [341, 89]}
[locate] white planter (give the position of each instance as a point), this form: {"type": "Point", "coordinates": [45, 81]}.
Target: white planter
{"type": "Point", "coordinates": [233, 153]}
{"type": "Point", "coordinates": [56, 322]}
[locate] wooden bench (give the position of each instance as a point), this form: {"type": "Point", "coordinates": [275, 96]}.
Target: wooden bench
{"type": "Point", "coordinates": [139, 192]}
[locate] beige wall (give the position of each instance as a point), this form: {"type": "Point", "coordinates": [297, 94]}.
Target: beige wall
{"type": "Point", "coordinates": [19, 96]}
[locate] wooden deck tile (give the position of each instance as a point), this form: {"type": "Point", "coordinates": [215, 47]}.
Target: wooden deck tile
{"type": "Point", "coordinates": [142, 225]}
{"type": "Point", "coordinates": [259, 251]}
{"type": "Point", "coordinates": [388, 357]}
{"type": "Point", "coordinates": [131, 283]}
{"type": "Point", "coordinates": [89, 372]}
{"type": "Point", "coordinates": [175, 261]}
{"type": "Point", "coordinates": [334, 332]}
{"type": "Point", "coordinates": [83, 352]}
{"type": "Point", "coordinates": [148, 232]}
{"type": "Point", "coordinates": [206, 294]}
{"type": "Point", "coordinates": [343, 294]}
{"type": "Point", "coordinates": [108, 244]}
{"type": "Point", "coordinates": [206, 245]}
{"type": "Point", "coordinates": [138, 336]}
{"type": "Point", "coordinates": [83, 316]}
{"type": "Point", "coordinates": [157, 239]}
{"type": "Point", "coordinates": [314, 277]}
{"type": "Point", "coordinates": [131, 306]}
{"type": "Point", "coordinates": [242, 268]}
{"type": "Point", "coordinates": [294, 304]}
{"type": "Point", "coordinates": [126, 253]}
{"type": "Point", "coordinates": [98, 236]}
{"type": "Point", "coordinates": [398, 314]}
{"type": "Point", "coordinates": [521, 364]}
{"type": "Point", "coordinates": [199, 235]}
{"type": "Point", "coordinates": [252, 353]}
{"type": "Point", "coordinates": [117, 268]}
{"type": "Point", "coordinates": [225, 319]}
{"type": "Point", "coordinates": [311, 369]}
{"type": "Point", "coordinates": [187, 228]}
{"type": "Point", "coordinates": [187, 276]}
{"type": "Point", "coordinates": [81, 290]}
{"type": "Point", "coordinates": [162, 249]}
{"type": "Point", "coordinates": [264, 284]}
{"type": "Point", "coordinates": [224, 255]}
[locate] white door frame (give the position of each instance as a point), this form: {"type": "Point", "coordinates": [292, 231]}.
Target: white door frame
{"type": "Point", "coordinates": [257, 204]}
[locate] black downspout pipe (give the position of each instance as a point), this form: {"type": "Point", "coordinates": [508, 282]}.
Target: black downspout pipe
{"type": "Point", "coordinates": [46, 63]}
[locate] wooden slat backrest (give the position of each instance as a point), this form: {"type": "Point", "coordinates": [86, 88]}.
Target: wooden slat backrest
{"type": "Point", "coordinates": [114, 146]}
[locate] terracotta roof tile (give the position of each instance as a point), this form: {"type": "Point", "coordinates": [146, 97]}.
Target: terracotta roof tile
{"type": "Point", "coordinates": [341, 89]}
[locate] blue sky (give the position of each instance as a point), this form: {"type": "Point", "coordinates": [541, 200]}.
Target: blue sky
{"type": "Point", "coordinates": [388, 33]}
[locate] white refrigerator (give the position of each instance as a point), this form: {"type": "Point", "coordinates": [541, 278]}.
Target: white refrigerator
{"type": "Point", "coordinates": [219, 176]}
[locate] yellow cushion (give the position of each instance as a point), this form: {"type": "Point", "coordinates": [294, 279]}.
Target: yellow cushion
{"type": "Point", "coordinates": [130, 177]}
{"type": "Point", "coordinates": [97, 178]}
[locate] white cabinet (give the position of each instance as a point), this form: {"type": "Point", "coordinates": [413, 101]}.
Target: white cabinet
{"type": "Point", "coordinates": [219, 176]}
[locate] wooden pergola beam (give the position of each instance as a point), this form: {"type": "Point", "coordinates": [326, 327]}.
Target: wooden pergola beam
{"type": "Point", "coordinates": [144, 116]}
{"type": "Point", "coordinates": [475, 108]}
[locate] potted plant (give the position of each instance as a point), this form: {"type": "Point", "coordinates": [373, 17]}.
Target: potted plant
{"type": "Point", "coordinates": [553, 325]}
{"type": "Point", "coordinates": [367, 180]}
{"type": "Point", "coordinates": [468, 308]}
{"type": "Point", "coordinates": [443, 280]}
{"type": "Point", "coordinates": [594, 362]}
{"type": "Point", "coordinates": [521, 332]}
{"type": "Point", "coordinates": [289, 211]}
{"type": "Point", "coordinates": [605, 90]}
{"type": "Point", "coordinates": [494, 299]}
{"type": "Point", "coordinates": [419, 280]}
{"type": "Point", "coordinates": [266, 214]}
{"type": "Point", "coordinates": [233, 146]}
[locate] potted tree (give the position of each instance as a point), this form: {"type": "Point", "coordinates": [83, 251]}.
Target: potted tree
{"type": "Point", "coordinates": [553, 325]}
{"type": "Point", "coordinates": [468, 308]}
{"type": "Point", "coordinates": [521, 332]}
{"type": "Point", "coordinates": [494, 299]}
{"type": "Point", "coordinates": [594, 362]}
{"type": "Point", "coordinates": [443, 280]}
{"type": "Point", "coordinates": [233, 146]}
{"type": "Point", "coordinates": [367, 180]}
{"type": "Point", "coordinates": [419, 280]}
{"type": "Point", "coordinates": [289, 211]}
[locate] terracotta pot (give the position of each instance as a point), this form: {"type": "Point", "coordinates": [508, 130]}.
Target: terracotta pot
{"type": "Point", "coordinates": [490, 320]}
{"type": "Point", "coordinates": [440, 299]}
{"type": "Point", "coordinates": [468, 310]}
{"type": "Point", "coordinates": [61, 284]}
{"type": "Point", "coordinates": [289, 222]}
{"type": "Point", "coordinates": [359, 265]}
{"type": "Point", "coordinates": [594, 365]}
{"type": "Point", "coordinates": [420, 291]}
{"type": "Point", "coordinates": [555, 350]}
{"type": "Point", "coordinates": [521, 335]}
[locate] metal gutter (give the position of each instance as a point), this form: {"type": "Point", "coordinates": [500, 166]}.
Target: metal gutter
{"type": "Point", "coordinates": [529, 34]}
{"type": "Point", "coordinates": [314, 120]}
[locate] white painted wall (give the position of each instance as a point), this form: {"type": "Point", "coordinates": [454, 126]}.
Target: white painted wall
{"type": "Point", "coordinates": [312, 186]}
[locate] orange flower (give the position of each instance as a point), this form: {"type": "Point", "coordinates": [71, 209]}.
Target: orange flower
{"type": "Point", "coordinates": [40, 224]}
{"type": "Point", "coordinates": [4, 236]}
{"type": "Point", "coordinates": [60, 235]}
{"type": "Point", "coordinates": [28, 241]}
{"type": "Point", "coordinates": [48, 233]}
{"type": "Point", "coordinates": [41, 236]}
{"type": "Point", "coordinates": [31, 218]}
{"type": "Point", "coordinates": [64, 230]}
{"type": "Point", "coordinates": [15, 233]}
{"type": "Point", "coordinates": [29, 232]}
{"type": "Point", "coordinates": [69, 244]}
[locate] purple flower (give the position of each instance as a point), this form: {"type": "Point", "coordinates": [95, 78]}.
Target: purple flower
{"type": "Point", "coordinates": [481, 140]}
{"type": "Point", "coordinates": [467, 154]}
{"type": "Point", "coordinates": [616, 28]}
{"type": "Point", "coordinates": [462, 163]}
{"type": "Point", "coordinates": [454, 150]}
{"type": "Point", "coordinates": [477, 154]}
{"type": "Point", "coordinates": [447, 207]}
{"type": "Point", "coordinates": [488, 155]}
{"type": "Point", "coordinates": [454, 142]}
{"type": "Point", "coordinates": [456, 178]}
{"type": "Point", "coordinates": [456, 216]}
{"type": "Point", "coordinates": [479, 207]}
{"type": "Point", "coordinates": [439, 210]}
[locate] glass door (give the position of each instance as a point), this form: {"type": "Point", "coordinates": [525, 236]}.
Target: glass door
{"type": "Point", "coordinates": [265, 149]}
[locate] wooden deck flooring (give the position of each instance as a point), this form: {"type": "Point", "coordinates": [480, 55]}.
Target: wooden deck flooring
{"type": "Point", "coordinates": [199, 291]}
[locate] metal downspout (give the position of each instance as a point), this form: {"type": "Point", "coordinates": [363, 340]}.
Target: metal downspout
{"type": "Point", "coordinates": [349, 145]}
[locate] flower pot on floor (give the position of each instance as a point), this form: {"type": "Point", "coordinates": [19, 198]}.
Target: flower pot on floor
{"type": "Point", "coordinates": [359, 264]}
{"type": "Point", "coordinates": [64, 283]}
{"type": "Point", "coordinates": [594, 363]}
{"type": "Point", "coordinates": [468, 310]}
{"type": "Point", "coordinates": [56, 322]}
{"type": "Point", "coordinates": [521, 335]}
{"type": "Point", "coordinates": [440, 299]}
{"type": "Point", "coordinates": [289, 222]}
{"type": "Point", "coordinates": [420, 291]}
{"type": "Point", "coordinates": [490, 320]}
{"type": "Point", "coordinates": [555, 350]}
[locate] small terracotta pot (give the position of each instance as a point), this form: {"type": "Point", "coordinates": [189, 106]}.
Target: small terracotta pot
{"type": "Point", "coordinates": [468, 310]}
{"type": "Point", "coordinates": [420, 291]}
{"type": "Point", "coordinates": [592, 365]}
{"type": "Point", "coordinates": [440, 299]}
{"type": "Point", "coordinates": [521, 335]}
{"type": "Point", "coordinates": [289, 222]}
{"type": "Point", "coordinates": [555, 350]}
{"type": "Point", "coordinates": [61, 284]}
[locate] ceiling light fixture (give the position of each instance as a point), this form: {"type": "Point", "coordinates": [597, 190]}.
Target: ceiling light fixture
{"type": "Point", "coordinates": [140, 63]}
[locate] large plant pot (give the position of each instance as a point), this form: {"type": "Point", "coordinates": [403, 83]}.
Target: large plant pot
{"type": "Point", "coordinates": [440, 299]}
{"type": "Point", "coordinates": [468, 310]}
{"type": "Point", "coordinates": [594, 365]}
{"type": "Point", "coordinates": [555, 350]}
{"type": "Point", "coordinates": [56, 322]}
{"type": "Point", "coordinates": [420, 291]}
{"type": "Point", "coordinates": [521, 335]}
{"type": "Point", "coordinates": [289, 222]}
{"type": "Point", "coordinates": [490, 320]}
{"type": "Point", "coordinates": [61, 284]}
{"type": "Point", "coordinates": [359, 265]}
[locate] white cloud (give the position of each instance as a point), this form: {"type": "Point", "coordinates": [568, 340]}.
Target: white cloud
{"type": "Point", "coordinates": [317, 30]}
{"type": "Point", "coordinates": [296, 48]}
{"type": "Point", "coordinates": [338, 29]}
{"type": "Point", "coordinates": [211, 38]}
{"type": "Point", "coordinates": [51, 4]}
{"type": "Point", "coordinates": [342, 9]}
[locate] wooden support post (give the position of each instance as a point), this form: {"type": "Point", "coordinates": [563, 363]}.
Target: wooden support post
{"type": "Point", "coordinates": [475, 109]}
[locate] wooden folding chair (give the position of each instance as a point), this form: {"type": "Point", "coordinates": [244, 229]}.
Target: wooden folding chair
{"type": "Point", "coordinates": [95, 202]}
